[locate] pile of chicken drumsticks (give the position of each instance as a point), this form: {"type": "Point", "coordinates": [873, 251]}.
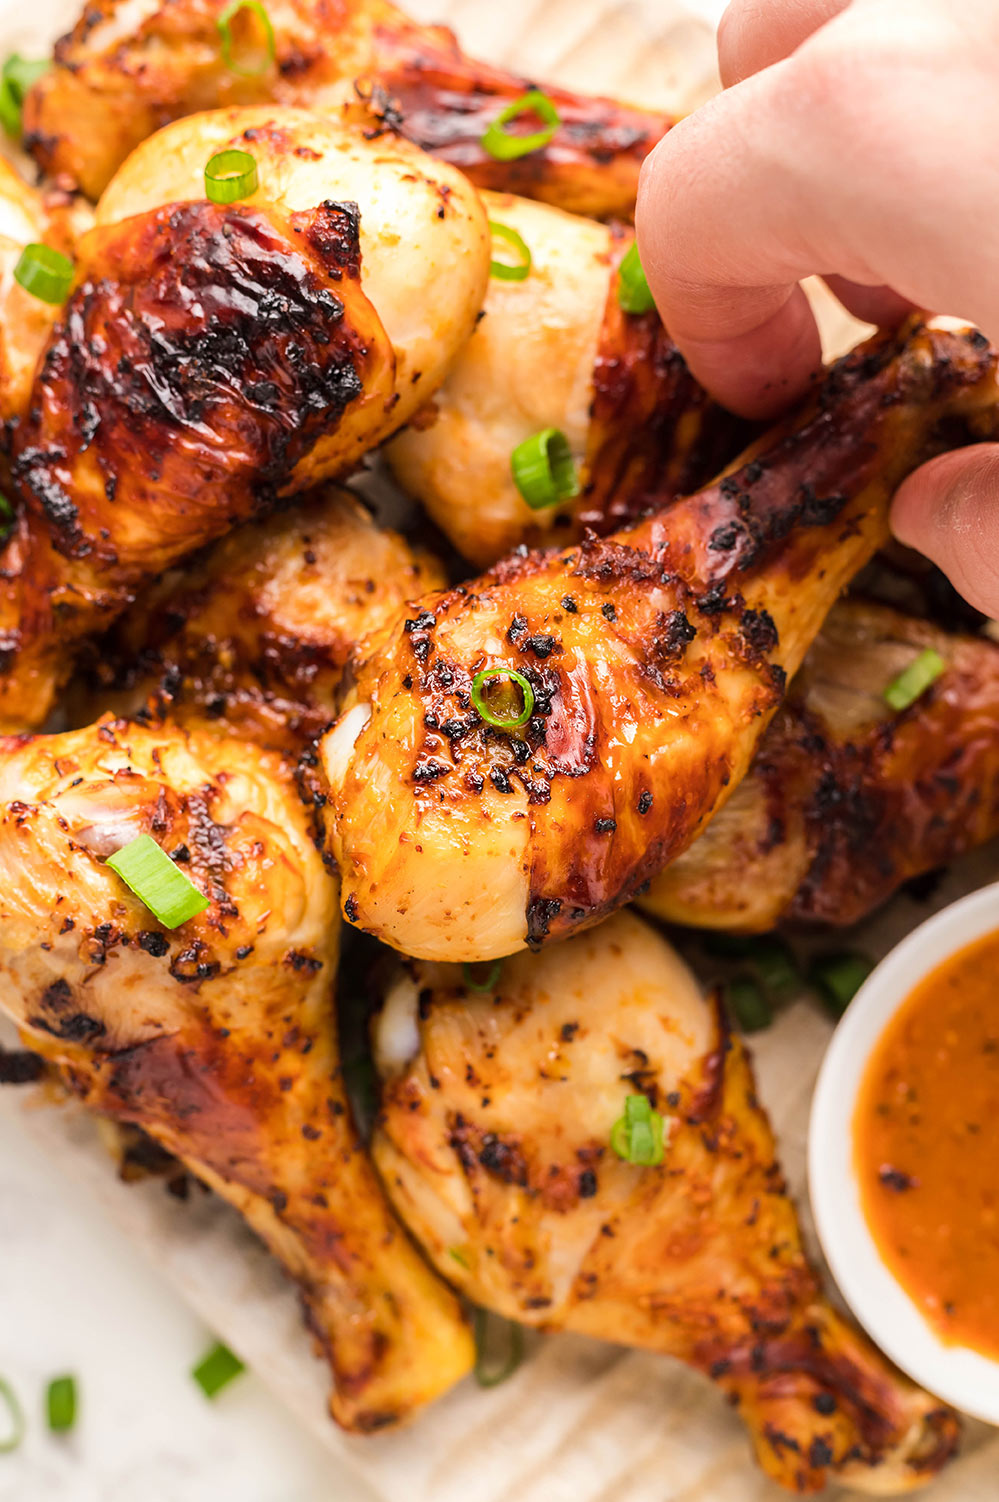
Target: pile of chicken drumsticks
{"type": "Point", "coordinates": [288, 699]}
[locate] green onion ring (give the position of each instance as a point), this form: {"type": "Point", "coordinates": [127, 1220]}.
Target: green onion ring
{"type": "Point", "coordinates": [16, 1414]}
{"type": "Point", "coordinates": [225, 28]}
{"type": "Point", "coordinates": [216, 1370]}
{"type": "Point", "coordinates": [637, 1136]}
{"type": "Point", "coordinates": [544, 470]}
{"type": "Point", "coordinates": [157, 881]}
{"type": "Point", "coordinates": [633, 292]}
{"type": "Point", "coordinates": [489, 1372]}
{"type": "Point", "coordinates": [46, 273]}
{"type": "Point", "coordinates": [747, 1003]}
{"type": "Point", "coordinates": [60, 1404]}
{"type": "Point", "coordinates": [838, 977]}
{"type": "Point", "coordinates": [489, 984]}
{"type": "Point", "coordinates": [482, 708]}
{"type": "Point", "coordinates": [16, 78]}
{"type": "Point", "coordinates": [502, 146]}
{"type": "Point", "coordinates": [914, 680]}
{"type": "Point", "coordinates": [230, 175]}
{"type": "Point", "coordinates": [504, 271]}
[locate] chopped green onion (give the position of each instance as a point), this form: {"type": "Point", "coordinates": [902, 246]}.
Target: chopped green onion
{"type": "Point", "coordinates": [771, 959]}
{"type": "Point", "coordinates": [543, 469]}
{"type": "Point", "coordinates": [838, 977]}
{"type": "Point", "coordinates": [507, 271]}
{"type": "Point", "coordinates": [225, 27]}
{"type": "Point", "coordinates": [633, 292]}
{"type": "Point", "coordinates": [45, 273]}
{"type": "Point", "coordinates": [154, 878]}
{"type": "Point", "coordinates": [514, 718]}
{"type": "Point", "coordinates": [61, 1404]}
{"type": "Point", "coordinates": [16, 78]}
{"type": "Point", "coordinates": [503, 146]}
{"type": "Point", "coordinates": [914, 680]}
{"type": "Point", "coordinates": [496, 1359]}
{"type": "Point", "coordinates": [15, 1413]}
{"type": "Point", "coordinates": [216, 1370]}
{"type": "Point", "coordinates": [231, 175]}
{"type": "Point", "coordinates": [458, 1255]}
{"type": "Point", "coordinates": [637, 1136]}
{"type": "Point", "coordinates": [493, 975]}
{"type": "Point", "coordinates": [747, 1003]}
{"type": "Point", "coordinates": [7, 518]}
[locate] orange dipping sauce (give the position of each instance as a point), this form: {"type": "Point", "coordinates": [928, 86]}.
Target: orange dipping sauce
{"type": "Point", "coordinates": [926, 1146]}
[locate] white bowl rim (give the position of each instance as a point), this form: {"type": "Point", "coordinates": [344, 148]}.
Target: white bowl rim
{"type": "Point", "coordinates": [961, 1377]}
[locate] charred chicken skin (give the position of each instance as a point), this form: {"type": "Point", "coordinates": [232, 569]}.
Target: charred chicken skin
{"type": "Point", "coordinates": [494, 1145]}
{"type": "Point", "coordinates": [557, 350]}
{"type": "Point", "coordinates": [254, 637]}
{"type": "Point", "coordinates": [118, 78]}
{"type": "Point", "coordinates": [212, 358]}
{"type": "Point", "coordinates": [654, 659]}
{"type": "Point", "coordinates": [846, 798]}
{"type": "Point", "coordinates": [217, 1038]}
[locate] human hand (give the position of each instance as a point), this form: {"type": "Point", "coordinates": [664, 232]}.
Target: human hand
{"type": "Point", "coordinates": [856, 141]}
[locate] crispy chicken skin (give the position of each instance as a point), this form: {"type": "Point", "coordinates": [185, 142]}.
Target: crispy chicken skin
{"type": "Point", "coordinates": [218, 1038]}
{"type": "Point", "coordinates": [254, 637]}
{"type": "Point", "coordinates": [213, 358]}
{"type": "Point", "coordinates": [493, 1143]}
{"type": "Point", "coordinates": [557, 350]}
{"type": "Point", "coordinates": [28, 215]}
{"type": "Point", "coordinates": [119, 76]}
{"type": "Point", "coordinates": [846, 799]}
{"type": "Point", "coordinates": [656, 658]}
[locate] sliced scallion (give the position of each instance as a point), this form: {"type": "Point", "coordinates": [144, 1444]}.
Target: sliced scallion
{"type": "Point", "coordinates": [169, 895]}
{"type": "Point", "coordinates": [544, 470]}
{"type": "Point", "coordinates": [16, 78]}
{"type": "Point", "coordinates": [769, 957]}
{"type": "Point", "coordinates": [510, 271]}
{"type": "Point", "coordinates": [637, 1136]}
{"type": "Point", "coordinates": [496, 713]}
{"type": "Point", "coordinates": [491, 977]}
{"type": "Point", "coordinates": [46, 273]}
{"type": "Point", "coordinates": [747, 1003]}
{"type": "Point", "coordinates": [838, 977]}
{"type": "Point", "coordinates": [225, 21]}
{"type": "Point", "coordinates": [914, 680]}
{"type": "Point", "coordinates": [503, 146]}
{"type": "Point", "coordinates": [216, 1370]}
{"type": "Point", "coordinates": [60, 1404]}
{"type": "Point", "coordinates": [15, 1416]}
{"type": "Point", "coordinates": [499, 1348]}
{"type": "Point", "coordinates": [231, 175]}
{"type": "Point", "coordinates": [633, 292]}
{"type": "Point", "coordinates": [458, 1255]}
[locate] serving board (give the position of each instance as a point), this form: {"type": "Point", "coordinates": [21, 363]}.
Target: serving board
{"type": "Point", "coordinates": [580, 1421]}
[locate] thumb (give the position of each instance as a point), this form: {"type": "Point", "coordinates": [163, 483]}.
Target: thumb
{"type": "Point", "coordinates": [949, 510]}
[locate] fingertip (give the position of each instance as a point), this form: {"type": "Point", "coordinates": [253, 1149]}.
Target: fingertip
{"type": "Point", "coordinates": [762, 371]}
{"type": "Point", "coordinates": [949, 511]}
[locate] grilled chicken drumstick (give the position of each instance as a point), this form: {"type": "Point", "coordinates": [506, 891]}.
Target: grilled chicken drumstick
{"type": "Point", "coordinates": [494, 1144]}
{"type": "Point", "coordinates": [650, 663]}
{"type": "Point", "coordinates": [254, 638]}
{"type": "Point", "coordinates": [217, 1038]}
{"type": "Point", "coordinates": [846, 798]}
{"type": "Point", "coordinates": [557, 350]}
{"type": "Point", "coordinates": [212, 358]}
{"type": "Point", "coordinates": [118, 77]}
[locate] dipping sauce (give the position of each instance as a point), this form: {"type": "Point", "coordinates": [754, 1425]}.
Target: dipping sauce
{"type": "Point", "coordinates": [926, 1146]}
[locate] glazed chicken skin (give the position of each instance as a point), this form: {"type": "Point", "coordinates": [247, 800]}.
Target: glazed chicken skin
{"type": "Point", "coordinates": [494, 1145]}
{"type": "Point", "coordinates": [655, 659]}
{"type": "Point", "coordinates": [119, 76]}
{"type": "Point", "coordinates": [26, 217]}
{"type": "Point", "coordinates": [218, 1038]}
{"type": "Point", "coordinates": [212, 358]}
{"type": "Point", "coordinates": [847, 798]}
{"type": "Point", "coordinates": [254, 638]}
{"type": "Point", "coordinates": [556, 350]}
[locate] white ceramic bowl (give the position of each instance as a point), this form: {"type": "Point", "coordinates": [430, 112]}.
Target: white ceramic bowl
{"type": "Point", "coordinates": [961, 1377]}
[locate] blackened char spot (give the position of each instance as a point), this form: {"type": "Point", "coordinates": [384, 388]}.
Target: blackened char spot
{"type": "Point", "coordinates": [540, 912]}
